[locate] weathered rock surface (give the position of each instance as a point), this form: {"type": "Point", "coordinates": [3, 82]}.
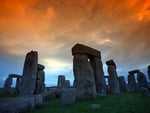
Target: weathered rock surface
{"type": "Point", "coordinates": [134, 71]}
{"type": "Point", "coordinates": [40, 67]}
{"type": "Point", "coordinates": [68, 96]}
{"type": "Point", "coordinates": [111, 62]}
{"type": "Point", "coordinates": [84, 77]}
{"type": "Point", "coordinates": [142, 81]}
{"type": "Point", "coordinates": [18, 82]}
{"type": "Point", "coordinates": [99, 76]}
{"type": "Point", "coordinates": [14, 75]}
{"type": "Point", "coordinates": [62, 82]}
{"type": "Point", "coordinates": [7, 85]}
{"type": "Point", "coordinates": [148, 72]}
{"type": "Point", "coordinates": [113, 81]}
{"type": "Point", "coordinates": [122, 84]}
{"type": "Point", "coordinates": [28, 81]}
{"type": "Point", "coordinates": [20, 104]}
{"type": "Point", "coordinates": [132, 85]}
{"type": "Point", "coordinates": [40, 79]}
{"type": "Point", "coordinates": [67, 85]}
{"type": "Point", "coordinates": [48, 95]}
{"type": "Point", "coordinates": [83, 49]}
{"type": "Point", "coordinates": [59, 91]}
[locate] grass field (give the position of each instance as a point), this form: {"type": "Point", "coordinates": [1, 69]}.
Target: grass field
{"type": "Point", "coordinates": [123, 103]}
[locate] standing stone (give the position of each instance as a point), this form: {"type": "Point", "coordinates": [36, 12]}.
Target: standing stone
{"type": "Point", "coordinates": [99, 76]}
{"type": "Point", "coordinates": [132, 86]}
{"type": "Point", "coordinates": [18, 81]}
{"type": "Point", "coordinates": [67, 84]}
{"type": "Point", "coordinates": [40, 79]}
{"type": "Point", "coordinates": [28, 81]}
{"type": "Point", "coordinates": [18, 78]}
{"type": "Point", "coordinates": [122, 84]}
{"type": "Point", "coordinates": [84, 77]}
{"type": "Point", "coordinates": [148, 72]}
{"type": "Point", "coordinates": [93, 64]}
{"type": "Point", "coordinates": [142, 81]}
{"type": "Point", "coordinates": [74, 83]}
{"type": "Point", "coordinates": [113, 82]}
{"type": "Point", "coordinates": [111, 62]}
{"type": "Point", "coordinates": [7, 85]}
{"type": "Point", "coordinates": [61, 81]}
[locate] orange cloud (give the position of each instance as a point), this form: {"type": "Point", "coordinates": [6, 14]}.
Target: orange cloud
{"type": "Point", "coordinates": [54, 24]}
{"type": "Point", "coordinates": [144, 12]}
{"type": "Point", "coordinates": [21, 24]}
{"type": "Point", "coordinates": [21, 13]}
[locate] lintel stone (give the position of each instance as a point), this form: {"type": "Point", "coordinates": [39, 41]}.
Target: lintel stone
{"type": "Point", "coordinates": [83, 49]}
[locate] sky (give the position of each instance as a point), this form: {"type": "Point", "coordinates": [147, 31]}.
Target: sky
{"type": "Point", "coordinates": [120, 29]}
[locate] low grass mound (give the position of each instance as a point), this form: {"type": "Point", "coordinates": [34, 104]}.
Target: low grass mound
{"type": "Point", "coordinates": [122, 103]}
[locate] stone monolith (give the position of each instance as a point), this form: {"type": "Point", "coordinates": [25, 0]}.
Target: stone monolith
{"type": "Point", "coordinates": [28, 81]}
{"type": "Point", "coordinates": [99, 76]}
{"type": "Point", "coordinates": [122, 84]}
{"type": "Point", "coordinates": [84, 77]}
{"type": "Point", "coordinates": [132, 85]}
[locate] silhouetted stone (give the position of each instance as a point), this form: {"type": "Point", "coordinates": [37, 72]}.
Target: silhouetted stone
{"type": "Point", "coordinates": [84, 77]}
{"type": "Point", "coordinates": [40, 79]}
{"type": "Point", "coordinates": [14, 75]}
{"type": "Point", "coordinates": [113, 81]}
{"type": "Point", "coordinates": [106, 76]}
{"type": "Point", "coordinates": [68, 96]}
{"type": "Point", "coordinates": [142, 81]}
{"type": "Point", "coordinates": [28, 81]}
{"type": "Point", "coordinates": [74, 83]}
{"type": "Point", "coordinates": [40, 67]}
{"type": "Point", "coordinates": [62, 82]}
{"type": "Point", "coordinates": [93, 57]}
{"type": "Point", "coordinates": [67, 84]}
{"type": "Point", "coordinates": [122, 84]}
{"type": "Point", "coordinates": [99, 76]}
{"type": "Point", "coordinates": [132, 86]}
{"type": "Point", "coordinates": [20, 104]}
{"type": "Point", "coordinates": [18, 81]}
{"type": "Point", "coordinates": [111, 62]}
{"type": "Point", "coordinates": [134, 71]}
{"type": "Point", "coordinates": [7, 85]}
{"type": "Point", "coordinates": [148, 72]}
{"type": "Point", "coordinates": [83, 49]}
